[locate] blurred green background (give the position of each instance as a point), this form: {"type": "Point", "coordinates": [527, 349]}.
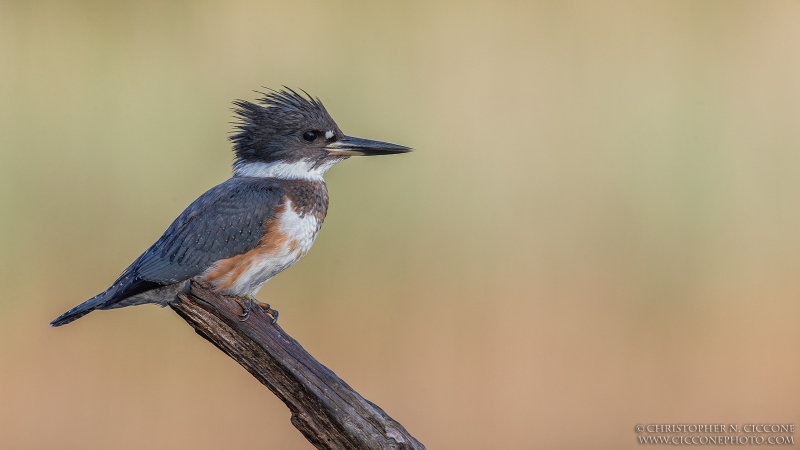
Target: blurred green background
{"type": "Point", "coordinates": [599, 228]}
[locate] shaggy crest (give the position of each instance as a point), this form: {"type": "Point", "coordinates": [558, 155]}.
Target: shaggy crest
{"type": "Point", "coordinates": [266, 127]}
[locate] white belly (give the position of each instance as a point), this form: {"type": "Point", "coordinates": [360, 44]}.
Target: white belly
{"type": "Point", "coordinates": [289, 241]}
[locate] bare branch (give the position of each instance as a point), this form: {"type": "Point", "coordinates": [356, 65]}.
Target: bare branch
{"type": "Point", "coordinates": [329, 413]}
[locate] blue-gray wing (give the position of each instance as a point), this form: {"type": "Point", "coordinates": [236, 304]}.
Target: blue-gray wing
{"type": "Point", "coordinates": [226, 221]}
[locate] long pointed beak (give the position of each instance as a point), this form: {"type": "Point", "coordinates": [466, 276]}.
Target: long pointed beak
{"type": "Point", "coordinates": [353, 146]}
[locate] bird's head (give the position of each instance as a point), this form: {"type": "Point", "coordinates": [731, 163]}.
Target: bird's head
{"type": "Point", "coordinates": [291, 136]}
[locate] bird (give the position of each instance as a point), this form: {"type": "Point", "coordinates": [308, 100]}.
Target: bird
{"type": "Point", "coordinates": [261, 221]}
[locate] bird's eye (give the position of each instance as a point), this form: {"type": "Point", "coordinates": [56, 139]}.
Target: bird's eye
{"type": "Point", "coordinates": [310, 136]}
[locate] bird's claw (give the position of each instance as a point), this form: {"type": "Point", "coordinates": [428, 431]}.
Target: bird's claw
{"type": "Point", "coordinates": [270, 312]}
{"type": "Point", "coordinates": [247, 308]}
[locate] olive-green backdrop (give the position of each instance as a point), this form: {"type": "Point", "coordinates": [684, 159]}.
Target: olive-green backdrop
{"type": "Point", "coordinates": [600, 227]}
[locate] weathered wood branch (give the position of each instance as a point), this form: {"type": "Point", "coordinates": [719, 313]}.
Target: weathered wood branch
{"type": "Point", "coordinates": [329, 413]}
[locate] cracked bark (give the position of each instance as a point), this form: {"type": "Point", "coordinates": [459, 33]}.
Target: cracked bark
{"type": "Point", "coordinates": [329, 413]}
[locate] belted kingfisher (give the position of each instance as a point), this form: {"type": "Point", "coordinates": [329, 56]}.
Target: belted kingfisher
{"type": "Point", "coordinates": [261, 221]}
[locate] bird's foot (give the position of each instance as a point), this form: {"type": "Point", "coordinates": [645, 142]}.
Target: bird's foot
{"type": "Point", "coordinates": [247, 308]}
{"type": "Point", "coordinates": [270, 312]}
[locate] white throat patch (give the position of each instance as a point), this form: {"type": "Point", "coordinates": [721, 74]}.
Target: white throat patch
{"type": "Point", "coordinates": [298, 170]}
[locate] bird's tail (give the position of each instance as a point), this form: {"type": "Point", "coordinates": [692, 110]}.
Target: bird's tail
{"type": "Point", "coordinates": [83, 309]}
{"type": "Point", "coordinates": [124, 292]}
